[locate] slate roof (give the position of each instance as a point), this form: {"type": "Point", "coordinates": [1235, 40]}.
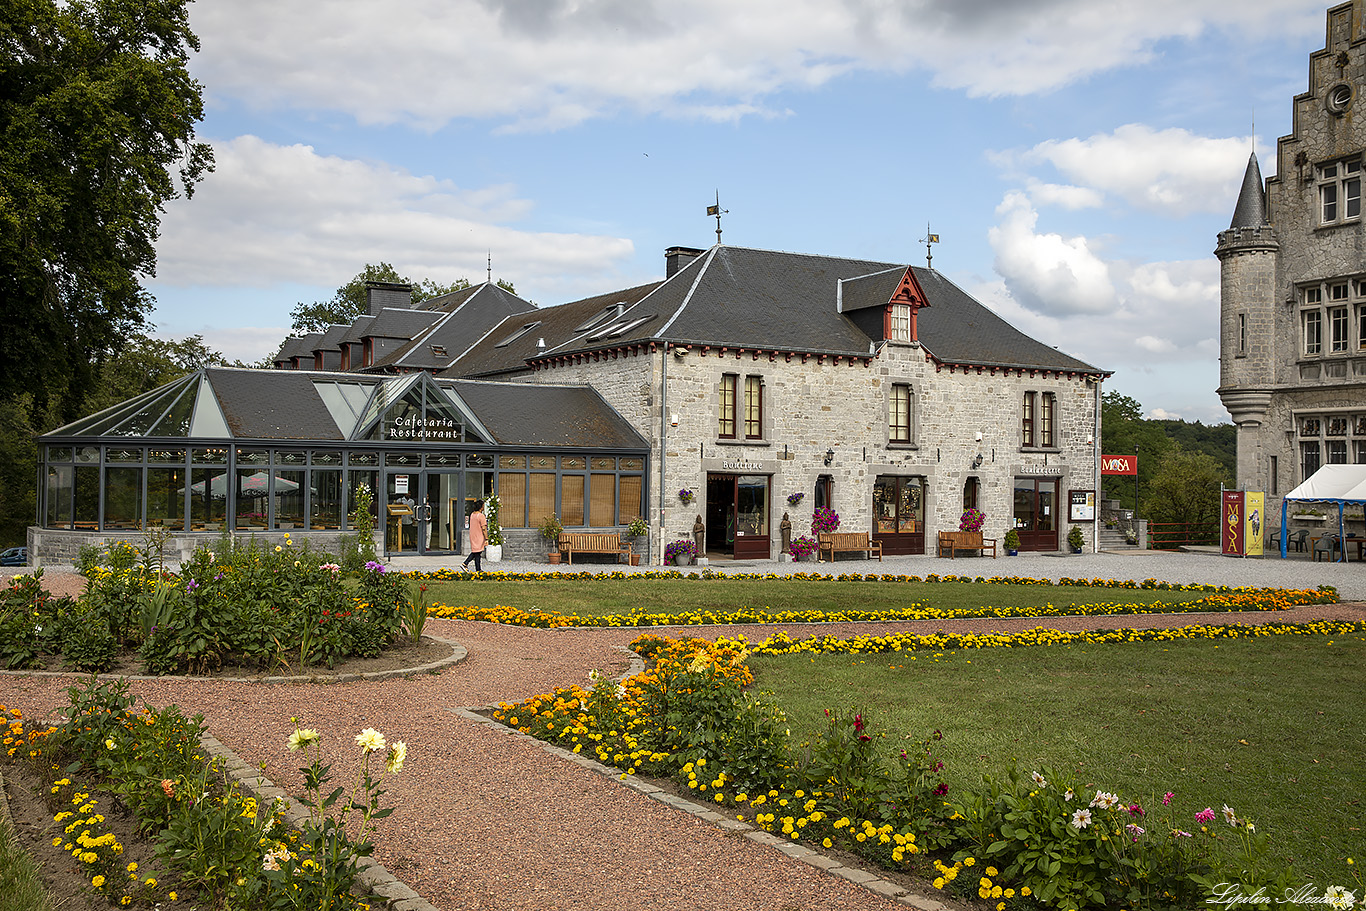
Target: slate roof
{"type": "Point", "coordinates": [1250, 212]}
{"type": "Point", "coordinates": [331, 338]}
{"type": "Point", "coordinates": [393, 322]}
{"type": "Point", "coordinates": [533, 414]}
{"type": "Point", "coordinates": [291, 347]}
{"type": "Point", "coordinates": [743, 298]}
{"type": "Point", "coordinates": [272, 404]}
{"type": "Point", "coordinates": [356, 332]}
{"type": "Point", "coordinates": [464, 317]}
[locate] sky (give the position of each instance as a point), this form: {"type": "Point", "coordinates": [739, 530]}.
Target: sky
{"type": "Point", "coordinates": [1076, 158]}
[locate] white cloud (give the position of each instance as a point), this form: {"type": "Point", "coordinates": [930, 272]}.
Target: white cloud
{"type": "Point", "coordinates": [274, 214]}
{"type": "Point", "coordinates": [1063, 196]}
{"type": "Point", "coordinates": [1172, 171]}
{"type": "Point", "coordinates": [1047, 272]}
{"type": "Point", "coordinates": [553, 63]}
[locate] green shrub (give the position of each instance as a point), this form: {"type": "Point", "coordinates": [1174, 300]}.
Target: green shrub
{"type": "Point", "coordinates": [89, 645]}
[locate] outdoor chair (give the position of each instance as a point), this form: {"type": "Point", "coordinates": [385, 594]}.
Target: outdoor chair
{"type": "Point", "coordinates": [1274, 541]}
{"type": "Point", "coordinates": [1298, 540]}
{"type": "Point", "coordinates": [1327, 545]}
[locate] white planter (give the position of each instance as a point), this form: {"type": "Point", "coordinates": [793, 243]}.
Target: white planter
{"type": "Point", "coordinates": [682, 560]}
{"type": "Point", "coordinates": [493, 553]}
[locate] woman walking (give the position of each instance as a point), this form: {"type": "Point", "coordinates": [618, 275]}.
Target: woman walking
{"type": "Point", "coordinates": [479, 537]}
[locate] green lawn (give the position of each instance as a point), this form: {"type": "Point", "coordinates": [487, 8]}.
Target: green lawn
{"type": "Point", "coordinates": [1273, 727]}
{"type": "Point", "coordinates": [600, 597]}
{"type": "Point", "coordinates": [21, 887]}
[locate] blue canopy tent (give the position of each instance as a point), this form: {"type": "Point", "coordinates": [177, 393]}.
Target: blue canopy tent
{"type": "Point", "coordinates": [1340, 484]}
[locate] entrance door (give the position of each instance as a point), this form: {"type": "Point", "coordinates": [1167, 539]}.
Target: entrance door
{"type": "Point", "coordinates": [423, 512]}
{"type": "Point", "coordinates": [1036, 513]}
{"type": "Point", "coordinates": [899, 514]}
{"type": "Point", "coordinates": [737, 516]}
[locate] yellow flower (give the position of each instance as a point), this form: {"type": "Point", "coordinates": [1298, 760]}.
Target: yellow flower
{"type": "Point", "coordinates": [370, 740]}
{"type": "Point", "coordinates": [133, 867]}
{"type": "Point", "coordinates": [97, 881]}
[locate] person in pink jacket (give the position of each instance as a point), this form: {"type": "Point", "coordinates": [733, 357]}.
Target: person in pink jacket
{"type": "Point", "coordinates": [479, 537]}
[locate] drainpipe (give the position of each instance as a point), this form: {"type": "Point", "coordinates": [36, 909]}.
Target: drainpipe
{"type": "Point", "coordinates": [663, 431]}
{"type": "Point", "coordinates": [1095, 478]}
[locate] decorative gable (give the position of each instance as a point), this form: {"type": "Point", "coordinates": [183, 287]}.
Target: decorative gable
{"type": "Point", "coordinates": [900, 323]}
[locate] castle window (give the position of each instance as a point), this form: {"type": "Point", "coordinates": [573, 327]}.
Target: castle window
{"type": "Point", "coordinates": [1337, 452]}
{"type": "Point", "coordinates": [1309, 459]}
{"type": "Point", "coordinates": [1242, 333]}
{"type": "Point", "coordinates": [1309, 427]}
{"type": "Point", "coordinates": [1340, 191]}
{"type": "Point", "coordinates": [1313, 332]}
{"type": "Point", "coordinates": [1337, 427]}
{"type": "Point", "coordinates": [1313, 295]}
{"type": "Point", "coordinates": [1337, 324]}
{"type": "Point", "coordinates": [1361, 325]}
{"type": "Point", "coordinates": [1338, 292]}
{"type": "Point", "coordinates": [1359, 450]}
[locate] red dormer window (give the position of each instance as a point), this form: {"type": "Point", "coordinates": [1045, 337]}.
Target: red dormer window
{"type": "Point", "coordinates": [900, 319]}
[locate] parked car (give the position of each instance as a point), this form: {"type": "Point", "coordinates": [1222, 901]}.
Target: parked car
{"type": "Point", "coordinates": [15, 556]}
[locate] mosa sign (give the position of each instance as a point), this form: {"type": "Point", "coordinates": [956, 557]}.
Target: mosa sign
{"type": "Point", "coordinates": [1119, 464]}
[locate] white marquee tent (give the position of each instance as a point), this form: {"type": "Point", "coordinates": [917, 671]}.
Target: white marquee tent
{"type": "Point", "coordinates": [1340, 484]}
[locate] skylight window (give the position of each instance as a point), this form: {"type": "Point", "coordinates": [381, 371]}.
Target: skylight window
{"type": "Point", "coordinates": [518, 334]}
{"type": "Point", "coordinates": [615, 311]}
{"type": "Point", "coordinates": [439, 350]}
{"type": "Point", "coordinates": [616, 330]}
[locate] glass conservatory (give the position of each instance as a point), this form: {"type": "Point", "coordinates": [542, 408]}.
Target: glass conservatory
{"type": "Point", "coordinates": [277, 451]}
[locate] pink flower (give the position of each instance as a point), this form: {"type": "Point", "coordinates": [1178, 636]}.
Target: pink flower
{"type": "Point", "coordinates": [1205, 815]}
{"type": "Point", "coordinates": [1168, 799]}
{"type": "Point", "coordinates": [1136, 810]}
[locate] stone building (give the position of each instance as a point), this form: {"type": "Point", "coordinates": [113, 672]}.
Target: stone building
{"type": "Point", "coordinates": [744, 387]}
{"type": "Point", "coordinates": [1293, 282]}
{"type": "Point", "coordinates": [768, 383]}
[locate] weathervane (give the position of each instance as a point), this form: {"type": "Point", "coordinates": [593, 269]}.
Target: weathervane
{"type": "Point", "coordinates": [718, 212]}
{"type": "Point", "coordinates": [490, 265]}
{"type": "Point", "coordinates": [927, 240]}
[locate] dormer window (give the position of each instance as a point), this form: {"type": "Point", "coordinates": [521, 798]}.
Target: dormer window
{"type": "Point", "coordinates": [900, 325]}
{"type": "Point", "coordinates": [518, 334]}
{"type": "Point", "coordinates": [439, 351]}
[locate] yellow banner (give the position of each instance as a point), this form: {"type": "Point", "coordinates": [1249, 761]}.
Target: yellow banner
{"type": "Point", "coordinates": [1255, 513]}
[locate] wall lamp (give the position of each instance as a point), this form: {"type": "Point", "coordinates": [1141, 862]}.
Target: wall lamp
{"type": "Point", "coordinates": [829, 456]}
{"type": "Point", "coordinates": [977, 461]}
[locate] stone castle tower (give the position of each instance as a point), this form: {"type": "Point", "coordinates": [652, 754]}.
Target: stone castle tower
{"type": "Point", "coordinates": [1292, 370]}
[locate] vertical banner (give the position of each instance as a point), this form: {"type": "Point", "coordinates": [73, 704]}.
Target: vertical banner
{"type": "Point", "coordinates": [1231, 526]}
{"type": "Point", "coordinates": [1254, 506]}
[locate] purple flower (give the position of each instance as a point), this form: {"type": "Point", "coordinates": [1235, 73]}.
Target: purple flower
{"type": "Point", "coordinates": [376, 567]}
{"type": "Point", "coordinates": [191, 586]}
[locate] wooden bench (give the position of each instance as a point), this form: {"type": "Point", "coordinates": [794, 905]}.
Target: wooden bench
{"type": "Point", "coordinates": [849, 542]}
{"type": "Point", "coordinates": [952, 541]}
{"type": "Point", "coordinates": [572, 542]}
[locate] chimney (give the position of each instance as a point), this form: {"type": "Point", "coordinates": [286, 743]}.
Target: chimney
{"type": "Point", "coordinates": [379, 295]}
{"type": "Point", "coordinates": [676, 258]}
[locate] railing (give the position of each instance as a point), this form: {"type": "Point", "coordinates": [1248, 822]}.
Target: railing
{"type": "Point", "coordinates": [1172, 535]}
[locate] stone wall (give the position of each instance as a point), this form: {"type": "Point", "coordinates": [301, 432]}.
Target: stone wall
{"type": "Point", "coordinates": [58, 547]}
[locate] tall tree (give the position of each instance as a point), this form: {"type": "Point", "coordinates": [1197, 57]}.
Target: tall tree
{"type": "Point", "coordinates": [1124, 431]}
{"type": "Point", "coordinates": [97, 120]}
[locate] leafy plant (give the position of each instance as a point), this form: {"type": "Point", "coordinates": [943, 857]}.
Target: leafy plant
{"type": "Point", "coordinates": [492, 507]}
{"type": "Point", "coordinates": [636, 528]}
{"type": "Point", "coordinates": [414, 615]}
{"type": "Point", "coordinates": [1011, 539]}
{"type": "Point", "coordinates": [1075, 539]}
{"type": "Point", "coordinates": [840, 763]}
{"type": "Point", "coordinates": [550, 528]}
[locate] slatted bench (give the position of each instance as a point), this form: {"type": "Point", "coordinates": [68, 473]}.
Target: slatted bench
{"type": "Point", "coordinates": [572, 542]}
{"type": "Point", "coordinates": [849, 542]}
{"type": "Point", "coordinates": [951, 541]}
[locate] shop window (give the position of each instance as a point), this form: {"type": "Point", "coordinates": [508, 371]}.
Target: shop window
{"type": "Point", "coordinates": [751, 505]}
{"type": "Point", "coordinates": [898, 505]}
{"type": "Point", "coordinates": [512, 497]}
{"type": "Point", "coordinates": [632, 491]}
{"type": "Point", "coordinates": [571, 500]}
{"type": "Point", "coordinates": [540, 496]}
{"type": "Point", "coordinates": [900, 414]}
{"type": "Point", "coordinates": [725, 428]}
{"type": "Point", "coordinates": [602, 500]}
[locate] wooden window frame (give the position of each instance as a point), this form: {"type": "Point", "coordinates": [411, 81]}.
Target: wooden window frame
{"type": "Point", "coordinates": [754, 407]}
{"type": "Point", "coordinates": [1048, 420]}
{"type": "Point", "coordinates": [1027, 420]}
{"type": "Point", "coordinates": [725, 423]}
{"type": "Point", "coordinates": [899, 411]}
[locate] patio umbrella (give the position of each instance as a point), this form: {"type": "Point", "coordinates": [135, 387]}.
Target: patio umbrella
{"type": "Point", "coordinates": [256, 484]}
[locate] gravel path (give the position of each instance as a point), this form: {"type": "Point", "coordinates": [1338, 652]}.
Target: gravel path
{"type": "Point", "coordinates": [485, 820]}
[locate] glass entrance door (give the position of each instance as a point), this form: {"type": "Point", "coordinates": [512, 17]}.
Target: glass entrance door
{"type": "Point", "coordinates": [423, 512]}
{"type": "Point", "coordinates": [1036, 513]}
{"type": "Point", "coordinates": [899, 514]}
{"type": "Point", "coordinates": [737, 516]}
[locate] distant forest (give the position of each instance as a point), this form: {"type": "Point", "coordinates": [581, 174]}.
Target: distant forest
{"type": "Point", "coordinates": [1218, 440]}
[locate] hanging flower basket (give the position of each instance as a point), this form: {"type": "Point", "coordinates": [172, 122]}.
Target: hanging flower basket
{"type": "Point", "coordinates": [685, 495]}
{"type": "Point", "coordinates": [824, 521]}
{"type": "Point", "coordinates": [795, 499]}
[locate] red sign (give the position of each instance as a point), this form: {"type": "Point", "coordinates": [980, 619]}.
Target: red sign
{"type": "Point", "coordinates": [1119, 464]}
{"type": "Point", "coordinates": [1231, 528]}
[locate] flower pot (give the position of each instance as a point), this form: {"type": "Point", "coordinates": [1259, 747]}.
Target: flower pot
{"type": "Point", "coordinates": [1012, 553]}
{"type": "Point", "coordinates": [493, 553]}
{"type": "Point", "coordinates": [554, 556]}
{"type": "Point", "coordinates": [635, 559]}
{"type": "Point", "coordinates": [1076, 550]}
{"type": "Point", "coordinates": [682, 560]}
{"type": "Point", "coordinates": [807, 558]}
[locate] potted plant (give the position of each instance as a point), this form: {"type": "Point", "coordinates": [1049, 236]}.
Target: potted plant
{"type": "Point", "coordinates": [1075, 540]}
{"type": "Point", "coordinates": [680, 552]}
{"type": "Point", "coordinates": [795, 499]}
{"type": "Point", "coordinates": [493, 548]}
{"type": "Point", "coordinates": [685, 495]}
{"type": "Point", "coordinates": [824, 521]}
{"type": "Point", "coordinates": [804, 548]}
{"type": "Point", "coordinates": [1011, 541]}
{"type": "Point", "coordinates": [550, 529]}
{"type": "Point", "coordinates": [972, 520]}
{"type": "Point", "coordinates": [635, 531]}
